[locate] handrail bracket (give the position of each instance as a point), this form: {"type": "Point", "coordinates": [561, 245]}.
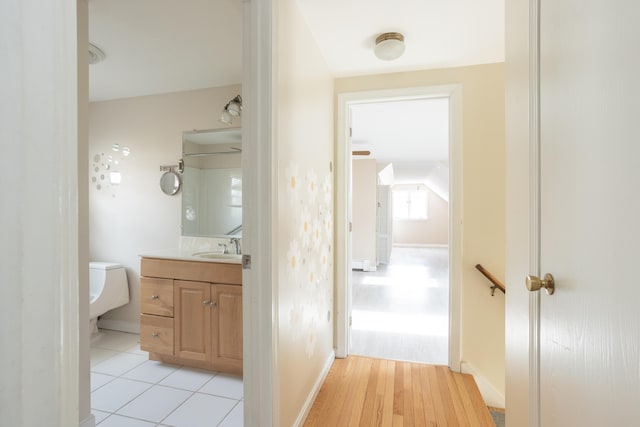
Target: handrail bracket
{"type": "Point", "coordinates": [497, 284]}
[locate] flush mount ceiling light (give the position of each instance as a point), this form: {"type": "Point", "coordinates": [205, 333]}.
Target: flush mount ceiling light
{"type": "Point", "coordinates": [231, 110]}
{"type": "Point", "coordinates": [95, 54]}
{"type": "Point", "coordinates": [389, 46]}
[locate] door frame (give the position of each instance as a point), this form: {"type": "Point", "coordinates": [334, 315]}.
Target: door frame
{"type": "Point", "coordinates": [534, 210]}
{"type": "Point", "coordinates": [259, 286]}
{"type": "Point", "coordinates": [522, 120]}
{"type": "Point", "coordinates": [344, 210]}
{"type": "Point", "coordinates": [44, 129]}
{"type": "Point", "coordinates": [261, 385]}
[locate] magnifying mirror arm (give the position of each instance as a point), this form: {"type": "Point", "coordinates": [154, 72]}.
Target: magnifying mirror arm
{"type": "Point", "coordinates": [179, 166]}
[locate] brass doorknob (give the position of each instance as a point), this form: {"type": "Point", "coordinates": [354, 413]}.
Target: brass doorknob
{"type": "Point", "coordinates": [534, 283]}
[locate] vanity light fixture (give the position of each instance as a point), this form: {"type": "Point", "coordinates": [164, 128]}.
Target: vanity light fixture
{"type": "Point", "coordinates": [389, 46]}
{"type": "Point", "coordinates": [231, 110]}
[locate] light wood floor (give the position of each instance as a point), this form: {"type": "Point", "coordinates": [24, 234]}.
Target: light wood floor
{"type": "Point", "coordinates": [360, 391]}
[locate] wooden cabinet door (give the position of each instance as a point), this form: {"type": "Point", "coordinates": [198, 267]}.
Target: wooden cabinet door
{"type": "Point", "coordinates": [192, 310]}
{"type": "Point", "coordinates": [226, 325]}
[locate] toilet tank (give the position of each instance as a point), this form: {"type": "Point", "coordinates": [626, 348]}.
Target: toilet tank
{"type": "Point", "coordinates": [98, 272]}
{"type": "Point", "coordinates": [108, 287]}
{"type": "Point", "coordinates": [94, 265]}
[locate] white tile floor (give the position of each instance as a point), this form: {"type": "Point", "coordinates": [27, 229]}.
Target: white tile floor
{"type": "Point", "coordinates": [128, 390]}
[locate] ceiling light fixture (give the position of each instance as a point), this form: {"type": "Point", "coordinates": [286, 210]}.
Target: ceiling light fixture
{"type": "Point", "coordinates": [95, 54]}
{"type": "Point", "coordinates": [231, 110]}
{"type": "Point", "coordinates": [389, 46]}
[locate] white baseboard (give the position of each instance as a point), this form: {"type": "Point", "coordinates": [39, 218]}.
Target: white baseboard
{"type": "Point", "coordinates": [363, 264]}
{"type": "Point", "coordinates": [90, 421]}
{"type": "Point", "coordinates": [491, 395]}
{"type": "Point", "coordinates": [420, 245]}
{"type": "Point", "coordinates": [304, 413]}
{"type": "Point", "coordinates": [119, 325]}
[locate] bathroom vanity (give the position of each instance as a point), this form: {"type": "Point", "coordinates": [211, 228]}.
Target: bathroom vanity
{"type": "Point", "coordinates": [191, 311]}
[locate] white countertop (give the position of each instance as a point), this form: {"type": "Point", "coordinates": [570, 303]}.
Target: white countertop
{"type": "Point", "coordinates": [189, 255]}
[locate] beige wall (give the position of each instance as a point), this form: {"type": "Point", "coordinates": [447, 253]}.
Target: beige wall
{"type": "Point", "coordinates": [482, 323]}
{"type": "Point", "coordinates": [433, 231]}
{"type": "Point", "coordinates": [364, 175]}
{"type": "Point", "coordinates": [135, 216]}
{"type": "Point", "coordinates": [304, 219]}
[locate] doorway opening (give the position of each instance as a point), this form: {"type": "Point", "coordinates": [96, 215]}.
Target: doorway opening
{"type": "Point", "coordinates": [398, 267]}
{"type": "Point", "coordinates": [400, 301]}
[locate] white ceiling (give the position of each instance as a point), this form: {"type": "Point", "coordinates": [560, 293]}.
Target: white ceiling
{"type": "Point", "coordinates": [438, 33]}
{"type": "Point", "coordinates": [161, 46]}
{"type": "Point", "coordinates": [394, 131]}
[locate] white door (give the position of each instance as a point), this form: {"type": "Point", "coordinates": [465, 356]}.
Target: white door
{"type": "Point", "coordinates": [384, 224]}
{"type": "Point", "coordinates": [586, 232]}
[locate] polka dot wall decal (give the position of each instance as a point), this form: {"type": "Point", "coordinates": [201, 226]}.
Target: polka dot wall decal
{"type": "Point", "coordinates": [308, 262]}
{"type": "Point", "coordinates": [103, 166]}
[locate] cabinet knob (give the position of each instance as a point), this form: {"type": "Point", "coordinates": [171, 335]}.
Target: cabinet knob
{"type": "Point", "coordinates": [154, 297]}
{"type": "Point", "coordinates": [206, 302]}
{"type": "Point", "coordinates": [154, 335]}
{"type": "Point", "coordinates": [213, 304]}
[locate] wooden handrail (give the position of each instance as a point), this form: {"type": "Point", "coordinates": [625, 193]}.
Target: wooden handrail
{"type": "Point", "coordinates": [496, 283]}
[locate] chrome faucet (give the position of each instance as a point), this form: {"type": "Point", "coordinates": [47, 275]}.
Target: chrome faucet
{"type": "Point", "coordinates": [225, 249]}
{"type": "Point", "coordinates": [236, 242]}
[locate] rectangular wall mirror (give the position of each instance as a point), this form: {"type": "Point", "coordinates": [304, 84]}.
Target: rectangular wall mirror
{"type": "Point", "coordinates": [212, 183]}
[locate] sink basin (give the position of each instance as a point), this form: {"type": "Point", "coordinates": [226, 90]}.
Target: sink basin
{"type": "Point", "coordinates": [217, 255]}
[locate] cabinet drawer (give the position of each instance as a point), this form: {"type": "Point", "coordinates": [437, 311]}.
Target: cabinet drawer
{"type": "Point", "coordinates": [156, 296]}
{"type": "Point", "coordinates": [156, 334]}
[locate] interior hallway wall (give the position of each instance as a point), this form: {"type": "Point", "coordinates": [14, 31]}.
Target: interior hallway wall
{"type": "Point", "coordinates": [483, 230]}
{"type": "Point", "coordinates": [365, 199]}
{"type": "Point", "coordinates": [303, 223]}
{"type": "Point", "coordinates": [134, 216]}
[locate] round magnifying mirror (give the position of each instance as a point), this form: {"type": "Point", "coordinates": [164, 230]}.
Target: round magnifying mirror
{"type": "Point", "coordinates": [170, 183]}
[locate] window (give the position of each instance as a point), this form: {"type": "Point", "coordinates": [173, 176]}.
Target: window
{"type": "Point", "coordinates": [410, 204]}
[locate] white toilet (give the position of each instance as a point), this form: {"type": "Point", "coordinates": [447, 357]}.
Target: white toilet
{"type": "Point", "coordinates": [108, 289]}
